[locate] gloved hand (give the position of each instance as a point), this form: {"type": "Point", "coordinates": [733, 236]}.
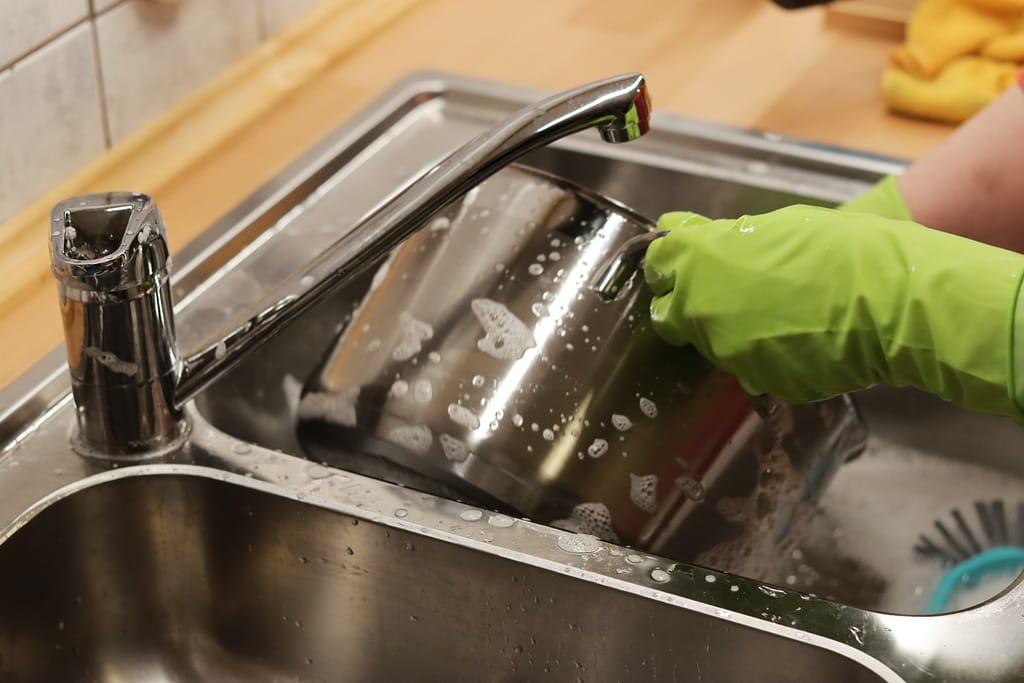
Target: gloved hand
{"type": "Point", "coordinates": [806, 303]}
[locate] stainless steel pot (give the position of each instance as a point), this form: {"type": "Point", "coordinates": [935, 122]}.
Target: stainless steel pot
{"type": "Point", "coordinates": [483, 358]}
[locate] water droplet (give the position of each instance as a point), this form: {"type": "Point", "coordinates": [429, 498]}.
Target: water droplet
{"type": "Point", "coordinates": [315, 471]}
{"type": "Point", "coordinates": [478, 380]}
{"type": "Point", "coordinates": [598, 448]}
{"type": "Point", "coordinates": [423, 391]}
{"type": "Point", "coordinates": [241, 448]}
{"type": "Point", "coordinates": [506, 336]}
{"type": "Point", "coordinates": [648, 408]}
{"type": "Point", "coordinates": [416, 438]}
{"type": "Point", "coordinates": [463, 416]}
{"type": "Point", "coordinates": [621, 422]}
{"type": "Point", "coordinates": [471, 515]}
{"type": "Point", "coordinates": [501, 521]}
{"type": "Point", "coordinates": [401, 513]}
{"type": "Point", "coordinates": [660, 575]}
{"type": "Point", "coordinates": [643, 491]}
{"type": "Point", "coordinates": [412, 334]}
{"type": "Point", "coordinates": [578, 543]}
{"type": "Point", "coordinates": [454, 449]}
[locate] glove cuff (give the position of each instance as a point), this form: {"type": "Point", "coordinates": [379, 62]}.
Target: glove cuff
{"type": "Point", "coordinates": [1016, 355]}
{"type": "Point", "coordinates": [883, 199]}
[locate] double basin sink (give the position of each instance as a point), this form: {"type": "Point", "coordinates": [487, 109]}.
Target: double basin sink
{"type": "Point", "coordinates": [236, 559]}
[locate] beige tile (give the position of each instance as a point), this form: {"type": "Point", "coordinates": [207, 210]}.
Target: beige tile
{"type": "Point", "coordinates": [153, 54]}
{"type": "Point", "coordinates": [50, 124]}
{"type": "Point", "coordinates": [280, 13]}
{"type": "Point", "coordinates": [26, 24]}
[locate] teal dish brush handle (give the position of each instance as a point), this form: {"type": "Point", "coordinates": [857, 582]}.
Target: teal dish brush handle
{"type": "Point", "coordinates": [1001, 560]}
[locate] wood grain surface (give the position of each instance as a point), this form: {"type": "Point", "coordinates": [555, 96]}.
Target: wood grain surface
{"type": "Point", "coordinates": [741, 62]}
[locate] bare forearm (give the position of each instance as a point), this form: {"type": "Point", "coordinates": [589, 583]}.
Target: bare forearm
{"type": "Point", "coordinates": [973, 183]}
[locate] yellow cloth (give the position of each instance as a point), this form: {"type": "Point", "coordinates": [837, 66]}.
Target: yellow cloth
{"type": "Point", "coordinates": [1008, 48]}
{"type": "Point", "coordinates": [959, 56]}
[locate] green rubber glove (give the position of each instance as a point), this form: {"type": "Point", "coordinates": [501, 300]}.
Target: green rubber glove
{"type": "Point", "coordinates": [806, 303]}
{"type": "Point", "coordinates": [883, 199]}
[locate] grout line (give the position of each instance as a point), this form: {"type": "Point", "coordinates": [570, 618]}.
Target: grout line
{"type": "Point", "coordinates": [46, 43]}
{"type": "Point", "coordinates": [89, 15]}
{"type": "Point", "coordinates": [101, 85]}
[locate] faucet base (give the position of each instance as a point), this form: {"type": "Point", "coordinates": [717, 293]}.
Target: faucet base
{"type": "Point", "coordinates": [146, 452]}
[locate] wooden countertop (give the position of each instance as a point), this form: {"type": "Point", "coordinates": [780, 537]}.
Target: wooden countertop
{"type": "Point", "coordinates": [742, 62]}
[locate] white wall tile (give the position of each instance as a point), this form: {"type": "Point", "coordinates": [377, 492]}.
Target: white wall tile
{"type": "Point", "coordinates": [50, 121]}
{"type": "Point", "coordinates": [25, 24]}
{"type": "Point", "coordinates": [153, 54]}
{"type": "Point", "coordinates": [280, 13]}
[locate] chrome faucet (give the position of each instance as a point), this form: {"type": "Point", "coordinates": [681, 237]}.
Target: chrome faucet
{"type": "Point", "coordinates": [110, 257]}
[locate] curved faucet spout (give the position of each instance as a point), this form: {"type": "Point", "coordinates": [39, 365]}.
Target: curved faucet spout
{"type": "Point", "coordinates": [618, 107]}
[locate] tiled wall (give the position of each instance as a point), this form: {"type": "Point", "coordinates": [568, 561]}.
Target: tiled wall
{"type": "Point", "coordinates": [78, 75]}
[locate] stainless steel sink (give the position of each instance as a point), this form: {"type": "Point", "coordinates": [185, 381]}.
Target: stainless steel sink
{"type": "Point", "coordinates": [235, 558]}
{"type": "Point", "coordinates": [177, 577]}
